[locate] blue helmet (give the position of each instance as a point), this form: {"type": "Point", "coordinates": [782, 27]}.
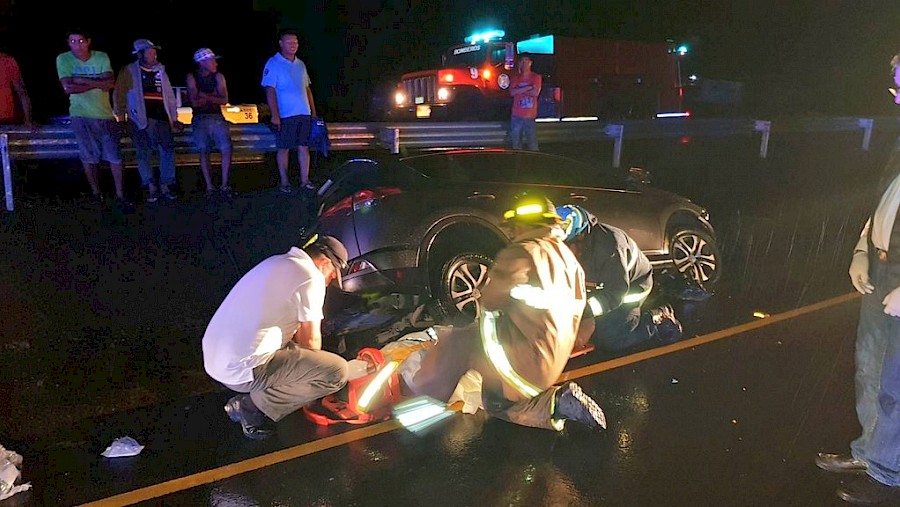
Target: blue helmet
{"type": "Point", "coordinates": [576, 220]}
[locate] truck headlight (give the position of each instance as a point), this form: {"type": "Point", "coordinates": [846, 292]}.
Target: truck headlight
{"type": "Point", "coordinates": [400, 98]}
{"type": "Point", "coordinates": [443, 93]}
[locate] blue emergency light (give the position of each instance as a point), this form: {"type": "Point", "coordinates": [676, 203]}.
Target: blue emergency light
{"type": "Point", "coordinates": [485, 36]}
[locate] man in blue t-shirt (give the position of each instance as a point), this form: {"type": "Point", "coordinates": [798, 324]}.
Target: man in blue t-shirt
{"type": "Point", "coordinates": [291, 102]}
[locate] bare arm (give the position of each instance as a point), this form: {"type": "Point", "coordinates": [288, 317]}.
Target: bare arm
{"type": "Point", "coordinates": [76, 84]}
{"type": "Point", "coordinates": [197, 99]}
{"type": "Point", "coordinates": [221, 96]}
{"type": "Point", "coordinates": [19, 87]}
{"type": "Point", "coordinates": [312, 103]}
{"type": "Point", "coordinates": [309, 335]}
{"type": "Point", "coordinates": [272, 100]}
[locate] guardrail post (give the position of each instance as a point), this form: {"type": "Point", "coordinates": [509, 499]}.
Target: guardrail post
{"type": "Point", "coordinates": [867, 124]}
{"type": "Point", "coordinates": [7, 171]}
{"type": "Point", "coordinates": [391, 138]}
{"type": "Point", "coordinates": [616, 132]}
{"type": "Point", "coordinates": [765, 127]}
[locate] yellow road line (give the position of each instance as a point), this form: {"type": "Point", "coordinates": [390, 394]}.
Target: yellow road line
{"type": "Point", "coordinates": [249, 465]}
{"type": "Point", "coordinates": [700, 340]}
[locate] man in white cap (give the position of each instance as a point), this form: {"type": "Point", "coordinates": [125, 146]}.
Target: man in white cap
{"type": "Point", "coordinates": [265, 340]}
{"type": "Point", "coordinates": [145, 96]}
{"type": "Point", "coordinates": [207, 93]}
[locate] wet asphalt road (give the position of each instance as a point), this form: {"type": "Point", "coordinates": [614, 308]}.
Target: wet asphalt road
{"type": "Point", "coordinates": [732, 422]}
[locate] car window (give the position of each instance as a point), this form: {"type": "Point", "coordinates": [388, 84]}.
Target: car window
{"type": "Point", "coordinates": [511, 167]}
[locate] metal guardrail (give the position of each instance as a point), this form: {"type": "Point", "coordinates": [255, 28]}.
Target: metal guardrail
{"type": "Point", "coordinates": [253, 141]}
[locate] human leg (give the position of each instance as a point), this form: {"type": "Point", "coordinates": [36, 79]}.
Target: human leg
{"type": "Point", "coordinates": [548, 410]}
{"type": "Point", "coordinates": [871, 345]}
{"type": "Point", "coordinates": [143, 146]}
{"type": "Point", "coordinates": [89, 151]}
{"type": "Point", "coordinates": [883, 449]}
{"type": "Point", "coordinates": [530, 131]}
{"type": "Point", "coordinates": [622, 328]}
{"type": "Point", "coordinates": [515, 132]}
{"type": "Point", "coordinates": [294, 377]}
{"type": "Point", "coordinates": [200, 133]}
{"type": "Point", "coordinates": [303, 159]}
{"type": "Point", "coordinates": [165, 142]}
{"type": "Point", "coordinates": [446, 363]}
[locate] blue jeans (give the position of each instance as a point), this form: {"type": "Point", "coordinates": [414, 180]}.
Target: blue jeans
{"type": "Point", "coordinates": [624, 327]}
{"type": "Point", "coordinates": [519, 126]}
{"type": "Point", "coordinates": [878, 380]}
{"type": "Point", "coordinates": [158, 134]}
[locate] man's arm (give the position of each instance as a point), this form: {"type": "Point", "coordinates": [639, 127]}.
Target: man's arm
{"type": "Point", "coordinates": [272, 100]}
{"type": "Point", "coordinates": [197, 99]}
{"type": "Point", "coordinates": [309, 335]}
{"type": "Point", "coordinates": [312, 103]}
{"type": "Point", "coordinates": [19, 86]}
{"type": "Point", "coordinates": [75, 84]}
{"type": "Point", "coordinates": [221, 96]}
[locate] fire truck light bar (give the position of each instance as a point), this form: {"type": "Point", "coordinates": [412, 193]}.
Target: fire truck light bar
{"type": "Point", "coordinates": [486, 36]}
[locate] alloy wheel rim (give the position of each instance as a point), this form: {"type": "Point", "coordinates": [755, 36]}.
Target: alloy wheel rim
{"type": "Point", "coordinates": [466, 281]}
{"type": "Point", "coordinates": [693, 257]}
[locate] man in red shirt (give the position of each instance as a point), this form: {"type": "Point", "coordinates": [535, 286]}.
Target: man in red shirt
{"type": "Point", "coordinates": [11, 82]}
{"type": "Point", "coordinates": [524, 89]}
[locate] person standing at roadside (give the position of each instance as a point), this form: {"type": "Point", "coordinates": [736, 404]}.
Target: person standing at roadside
{"type": "Point", "coordinates": [11, 83]}
{"type": "Point", "coordinates": [87, 78]}
{"type": "Point", "coordinates": [291, 102]}
{"type": "Point", "coordinates": [525, 89]}
{"type": "Point", "coordinates": [207, 93]}
{"type": "Point", "coordinates": [144, 96]}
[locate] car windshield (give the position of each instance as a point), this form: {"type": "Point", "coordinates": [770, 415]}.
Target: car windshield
{"type": "Point", "coordinates": [510, 167]}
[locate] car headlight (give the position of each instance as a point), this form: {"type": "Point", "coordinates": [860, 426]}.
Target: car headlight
{"type": "Point", "coordinates": [400, 98]}
{"type": "Point", "coordinates": [443, 93]}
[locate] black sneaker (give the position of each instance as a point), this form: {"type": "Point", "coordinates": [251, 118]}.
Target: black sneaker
{"type": "Point", "coordinates": [255, 424]}
{"type": "Point", "coordinates": [573, 404]}
{"type": "Point", "coordinates": [668, 329]}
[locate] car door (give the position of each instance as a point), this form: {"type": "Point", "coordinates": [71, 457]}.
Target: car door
{"type": "Point", "coordinates": [336, 215]}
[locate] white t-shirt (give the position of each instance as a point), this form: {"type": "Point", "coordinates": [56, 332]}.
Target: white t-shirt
{"type": "Point", "coordinates": [261, 314]}
{"type": "Point", "coordinates": [290, 80]}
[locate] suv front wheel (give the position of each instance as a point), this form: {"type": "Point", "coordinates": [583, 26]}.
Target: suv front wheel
{"type": "Point", "coordinates": [462, 278]}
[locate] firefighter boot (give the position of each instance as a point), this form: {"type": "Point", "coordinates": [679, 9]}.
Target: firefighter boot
{"type": "Point", "coordinates": [573, 404]}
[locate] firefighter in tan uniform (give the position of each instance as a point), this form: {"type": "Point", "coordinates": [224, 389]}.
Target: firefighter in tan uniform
{"type": "Point", "coordinates": [531, 308]}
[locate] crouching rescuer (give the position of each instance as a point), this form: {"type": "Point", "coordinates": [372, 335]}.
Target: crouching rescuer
{"type": "Point", "coordinates": [265, 340]}
{"type": "Point", "coordinates": [531, 308]}
{"type": "Point", "coordinates": [619, 280]}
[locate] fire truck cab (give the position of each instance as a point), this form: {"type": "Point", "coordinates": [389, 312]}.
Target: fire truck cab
{"type": "Point", "coordinates": [581, 77]}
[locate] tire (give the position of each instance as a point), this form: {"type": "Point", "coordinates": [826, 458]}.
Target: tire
{"type": "Point", "coordinates": [695, 255]}
{"type": "Point", "coordinates": [461, 280]}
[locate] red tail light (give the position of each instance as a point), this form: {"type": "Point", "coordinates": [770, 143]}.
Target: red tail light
{"type": "Point", "coordinates": [361, 200]}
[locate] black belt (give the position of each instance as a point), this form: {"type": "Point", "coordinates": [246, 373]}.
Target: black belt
{"type": "Point", "coordinates": [881, 255]}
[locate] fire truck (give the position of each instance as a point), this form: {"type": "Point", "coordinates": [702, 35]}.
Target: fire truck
{"type": "Point", "coordinates": [608, 79]}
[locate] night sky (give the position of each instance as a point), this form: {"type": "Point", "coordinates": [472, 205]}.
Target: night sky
{"type": "Point", "coordinates": [825, 56]}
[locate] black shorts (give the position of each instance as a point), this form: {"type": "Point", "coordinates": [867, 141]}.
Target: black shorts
{"type": "Point", "coordinates": [294, 132]}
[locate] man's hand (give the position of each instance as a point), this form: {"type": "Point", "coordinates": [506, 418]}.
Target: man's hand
{"type": "Point", "coordinates": [892, 303]}
{"type": "Point", "coordinates": [859, 273]}
{"type": "Point", "coordinates": [275, 124]}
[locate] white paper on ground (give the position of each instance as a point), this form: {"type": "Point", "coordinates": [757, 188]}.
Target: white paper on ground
{"type": "Point", "coordinates": [121, 447]}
